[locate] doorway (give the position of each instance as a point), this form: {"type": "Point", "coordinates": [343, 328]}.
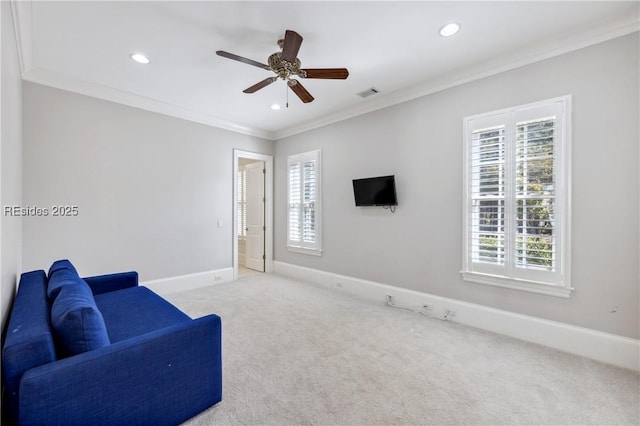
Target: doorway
{"type": "Point", "coordinates": [252, 213]}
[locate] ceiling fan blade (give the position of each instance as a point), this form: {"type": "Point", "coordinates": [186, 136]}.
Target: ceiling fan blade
{"type": "Point", "coordinates": [292, 43]}
{"type": "Point", "coordinates": [241, 59]}
{"type": "Point", "coordinates": [299, 90]}
{"type": "Point", "coordinates": [336, 73]}
{"type": "Point", "coordinates": [258, 86]}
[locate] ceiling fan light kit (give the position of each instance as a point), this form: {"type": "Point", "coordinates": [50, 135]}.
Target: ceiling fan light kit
{"type": "Point", "coordinates": [285, 65]}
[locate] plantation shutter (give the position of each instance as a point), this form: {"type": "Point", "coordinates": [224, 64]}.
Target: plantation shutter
{"type": "Point", "coordinates": [487, 224]}
{"type": "Point", "coordinates": [309, 202]}
{"type": "Point", "coordinates": [516, 198]}
{"type": "Point", "coordinates": [535, 194]}
{"type": "Point", "coordinates": [295, 183]}
{"type": "Point", "coordinates": [242, 204]}
{"type": "Point", "coordinates": [303, 198]}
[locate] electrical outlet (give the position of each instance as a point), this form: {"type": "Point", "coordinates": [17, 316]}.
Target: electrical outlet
{"type": "Point", "coordinates": [218, 278]}
{"type": "Point", "coordinates": [389, 299]}
{"type": "Point", "coordinates": [339, 284]}
{"type": "Point", "coordinates": [448, 314]}
{"type": "Point", "coordinates": [427, 306]}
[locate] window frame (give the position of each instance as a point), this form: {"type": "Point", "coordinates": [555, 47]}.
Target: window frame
{"type": "Point", "coordinates": [556, 282]}
{"type": "Point", "coordinates": [301, 246]}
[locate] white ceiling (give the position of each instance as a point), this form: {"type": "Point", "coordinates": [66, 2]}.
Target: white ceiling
{"type": "Point", "coordinates": [393, 46]}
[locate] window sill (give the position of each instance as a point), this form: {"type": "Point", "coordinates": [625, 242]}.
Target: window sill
{"type": "Point", "coordinates": [313, 252]}
{"type": "Point", "coordinates": [518, 284]}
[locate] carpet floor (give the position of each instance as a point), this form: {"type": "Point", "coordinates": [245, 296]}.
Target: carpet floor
{"type": "Point", "coordinates": [297, 354]}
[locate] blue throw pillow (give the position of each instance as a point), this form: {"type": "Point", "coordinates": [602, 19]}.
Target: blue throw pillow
{"type": "Point", "coordinates": [61, 264]}
{"type": "Point", "coordinates": [61, 273]}
{"type": "Point", "coordinates": [78, 324]}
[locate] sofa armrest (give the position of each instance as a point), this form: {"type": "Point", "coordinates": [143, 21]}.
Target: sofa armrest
{"type": "Point", "coordinates": [112, 282]}
{"type": "Point", "coordinates": [161, 378]}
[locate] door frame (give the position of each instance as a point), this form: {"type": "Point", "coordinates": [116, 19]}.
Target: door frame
{"type": "Point", "coordinates": [268, 207]}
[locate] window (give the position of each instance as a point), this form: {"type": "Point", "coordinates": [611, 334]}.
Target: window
{"type": "Point", "coordinates": [242, 204]}
{"type": "Point", "coordinates": [516, 218]}
{"type": "Point", "coordinates": [303, 220]}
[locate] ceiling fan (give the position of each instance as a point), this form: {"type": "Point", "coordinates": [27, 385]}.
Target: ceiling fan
{"type": "Point", "coordinates": [286, 65]}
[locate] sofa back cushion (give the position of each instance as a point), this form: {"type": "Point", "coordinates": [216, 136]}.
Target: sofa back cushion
{"type": "Point", "coordinates": [61, 273]}
{"type": "Point", "coordinates": [61, 264]}
{"type": "Point", "coordinates": [77, 323]}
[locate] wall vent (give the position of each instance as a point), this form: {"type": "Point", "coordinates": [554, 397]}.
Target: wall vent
{"type": "Point", "coordinates": [368, 92]}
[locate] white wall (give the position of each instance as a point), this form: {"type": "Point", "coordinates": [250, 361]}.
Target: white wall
{"type": "Point", "coordinates": [419, 247]}
{"type": "Point", "coordinates": [149, 188]}
{"type": "Point", "coordinates": [11, 160]}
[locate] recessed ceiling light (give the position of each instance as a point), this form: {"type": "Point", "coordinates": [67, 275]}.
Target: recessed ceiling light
{"type": "Point", "coordinates": [275, 107]}
{"type": "Point", "coordinates": [449, 29]}
{"type": "Point", "coordinates": [139, 58]}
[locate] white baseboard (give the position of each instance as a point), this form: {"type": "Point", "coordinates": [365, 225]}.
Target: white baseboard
{"type": "Point", "coordinates": [609, 348]}
{"type": "Point", "coordinates": [180, 283]}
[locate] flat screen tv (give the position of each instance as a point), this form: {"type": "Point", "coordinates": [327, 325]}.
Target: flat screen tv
{"type": "Point", "coordinates": [375, 191]}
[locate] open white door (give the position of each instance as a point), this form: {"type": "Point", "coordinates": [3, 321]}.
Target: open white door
{"type": "Point", "coordinates": [255, 216]}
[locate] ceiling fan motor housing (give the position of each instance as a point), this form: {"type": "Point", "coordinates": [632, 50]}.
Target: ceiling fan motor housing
{"type": "Point", "coordinates": [283, 68]}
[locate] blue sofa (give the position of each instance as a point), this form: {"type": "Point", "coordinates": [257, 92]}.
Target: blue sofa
{"type": "Point", "coordinates": [103, 350]}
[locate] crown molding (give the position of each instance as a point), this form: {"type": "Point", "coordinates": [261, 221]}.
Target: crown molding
{"type": "Point", "coordinates": [21, 12]}
{"type": "Point", "coordinates": [72, 84]}
{"type": "Point", "coordinates": [558, 45]}
{"type": "Point", "coordinates": [575, 40]}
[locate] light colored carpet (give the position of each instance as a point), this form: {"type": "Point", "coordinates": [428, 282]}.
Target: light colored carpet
{"type": "Point", "coordinates": [296, 354]}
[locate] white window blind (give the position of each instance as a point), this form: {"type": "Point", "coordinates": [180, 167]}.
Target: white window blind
{"type": "Point", "coordinates": [242, 204]}
{"type": "Point", "coordinates": [516, 227]}
{"type": "Point", "coordinates": [295, 218]}
{"type": "Point", "coordinates": [535, 195]}
{"type": "Point", "coordinates": [303, 227]}
{"type": "Point", "coordinates": [487, 239]}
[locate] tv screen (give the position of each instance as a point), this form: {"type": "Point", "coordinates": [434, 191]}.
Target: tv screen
{"type": "Point", "coordinates": [376, 191]}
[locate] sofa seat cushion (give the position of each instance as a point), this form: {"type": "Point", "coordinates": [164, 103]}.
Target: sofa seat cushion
{"type": "Point", "coordinates": [78, 324]}
{"type": "Point", "coordinates": [135, 311]}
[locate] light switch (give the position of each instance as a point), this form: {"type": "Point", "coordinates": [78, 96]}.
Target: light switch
{"type": "Point", "coordinates": [219, 223]}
